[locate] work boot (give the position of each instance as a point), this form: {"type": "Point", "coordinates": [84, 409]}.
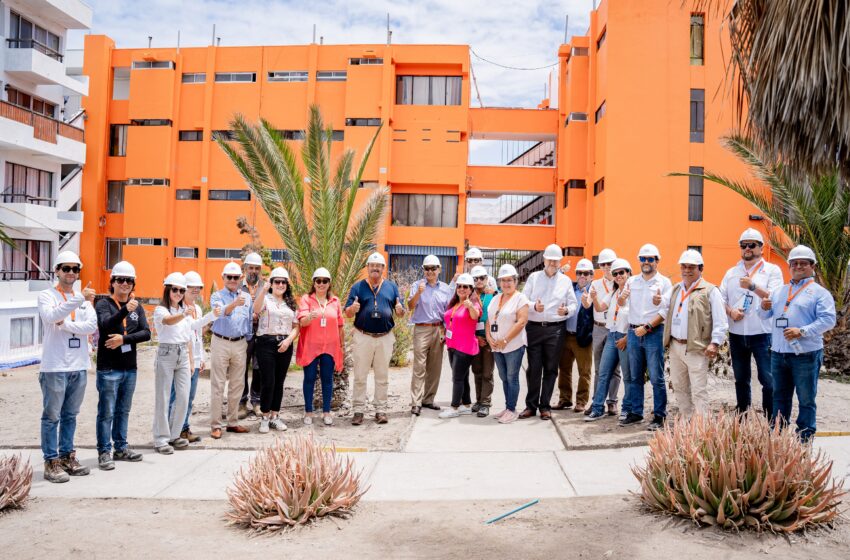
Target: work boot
{"type": "Point", "coordinates": [358, 419]}
{"type": "Point", "coordinates": [189, 436]}
{"type": "Point", "coordinates": [126, 455]}
{"type": "Point", "coordinates": [71, 466]}
{"type": "Point", "coordinates": [53, 471]}
{"type": "Point", "coordinates": [104, 461]}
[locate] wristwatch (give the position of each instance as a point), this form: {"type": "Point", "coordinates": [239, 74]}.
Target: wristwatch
{"type": "Point", "coordinates": [802, 333]}
{"type": "Point", "coordinates": [648, 327]}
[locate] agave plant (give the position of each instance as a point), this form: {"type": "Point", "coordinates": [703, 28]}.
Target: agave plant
{"type": "Point", "coordinates": [737, 472]}
{"type": "Point", "coordinates": [15, 481]}
{"type": "Point", "coordinates": [292, 482]}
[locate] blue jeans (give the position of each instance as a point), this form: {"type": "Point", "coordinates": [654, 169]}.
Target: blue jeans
{"type": "Point", "coordinates": [193, 386]}
{"type": "Point", "coordinates": [324, 365]}
{"type": "Point", "coordinates": [743, 348]}
{"type": "Point", "coordinates": [62, 394]}
{"type": "Point", "coordinates": [646, 353]}
{"type": "Point", "coordinates": [793, 372]}
{"type": "Point", "coordinates": [508, 365]}
{"type": "Point", "coordinates": [115, 390]}
{"type": "Point", "coordinates": [611, 358]}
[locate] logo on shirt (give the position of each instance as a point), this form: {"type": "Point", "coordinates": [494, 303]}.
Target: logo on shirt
{"type": "Point", "coordinates": [134, 316]}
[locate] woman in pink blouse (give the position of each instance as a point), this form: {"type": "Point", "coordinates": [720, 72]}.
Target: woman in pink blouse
{"type": "Point", "coordinates": [320, 344]}
{"type": "Point", "coordinates": [461, 318]}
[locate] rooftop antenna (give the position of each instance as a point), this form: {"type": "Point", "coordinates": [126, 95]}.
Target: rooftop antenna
{"type": "Point", "coordinates": [314, 33]}
{"type": "Point", "coordinates": [389, 31]}
{"type": "Point", "coordinates": [150, 40]}
{"type": "Point", "coordinates": [322, 40]}
{"type": "Point", "coordinates": [212, 39]}
{"type": "Point", "coordinates": [178, 41]}
{"type": "Point", "coordinates": [218, 41]}
{"type": "Point", "coordinates": [566, 27]}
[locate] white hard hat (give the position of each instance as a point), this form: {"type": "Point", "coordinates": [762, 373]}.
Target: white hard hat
{"type": "Point", "coordinates": [553, 252]}
{"type": "Point", "coordinates": [465, 279]}
{"type": "Point", "coordinates": [478, 270]}
{"type": "Point", "coordinates": [323, 272]}
{"type": "Point", "coordinates": [606, 256]}
{"type": "Point", "coordinates": [193, 279]}
{"type": "Point", "coordinates": [175, 279]}
{"type": "Point", "coordinates": [253, 259]}
{"type": "Point", "coordinates": [125, 269]}
{"type": "Point", "coordinates": [232, 268]}
{"type": "Point", "coordinates": [751, 234]}
{"type": "Point", "coordinates": [280, 272]}
{"type": "Point", "coordinates": [68, 257]}
{"type": "Point", "coordinates": [431, 260]}
{"type": "Point", "coordinates": [473, 253]}
{"type": "Point", "coordinates": [584, 265]}
{"type": "Point", "coordinates": [620, 264]}
{"type": "Point", "coordinates": [649, 250]}
{"type": "Point", "coordinates": [506, 271]}
{"type": "Point", "coordinates": [801, 252]}
{"type": "Point", "coordinates": [691, 256]}
{"type": "Point", "coordinates": [375, 258]}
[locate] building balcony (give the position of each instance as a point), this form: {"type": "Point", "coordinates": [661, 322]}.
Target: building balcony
{"type": "Point", "coordinates": [34, 134]}
{"type": "Point", "coordinates": [69, 14]}
{"type": "Point", "coordinates": [34, 62]}
{"type": "Point", "coordinates": [23, 212]}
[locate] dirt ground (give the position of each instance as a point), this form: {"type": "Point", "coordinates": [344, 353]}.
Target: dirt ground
{"type": "Point", "coordinates": [609, 527]}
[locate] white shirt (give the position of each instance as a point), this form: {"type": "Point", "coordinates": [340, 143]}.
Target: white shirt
{"type": "Point", "coordinates": [603, 288]}
{"type": "Point", "coordinates": [617, 315]}
{"type": "Point", "coordinates": [178, 333]}
{"type": "Point", "coordinates": [59, 352]}
{"type": "Point", "coordinates": [552, 291]}
{"type": "Point", "coordinates": [506, 319]}
{"type": "Point", "coordinates": [679, 325]}
{"type": "Point", "coordinates": [275, 318]}
{"type": "Point", "coordinates": [641, 308]}
{"type": "Point", "coordinates": [767, 277]}
{"type": "Point", "coordinates": [197, 334]}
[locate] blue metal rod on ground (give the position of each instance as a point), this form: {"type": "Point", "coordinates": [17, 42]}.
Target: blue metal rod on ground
{"type": "Point", "coordinates": [513, 511]}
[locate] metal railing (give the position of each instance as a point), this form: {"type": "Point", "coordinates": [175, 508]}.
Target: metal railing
{"type": "Point", "coordinates": [28, 199]}
{"type": "Point", "coordinates": [44, 128]}
{"type": "Point", "coordinates": [35, 45]}
{"type": "Point", "coordinates": [26, 274]}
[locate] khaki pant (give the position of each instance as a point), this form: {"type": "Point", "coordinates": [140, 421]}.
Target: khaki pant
{"type": "Point", "coordinates": [572, 352]}
{"type": "Point", "coordinates": [689, 375]}
{"type": "Point", "coordinates": [375, 353]}
{"type": "Point", "coordinates": [227, 365]}
{"type": "Point", "coordinates": [427, 364]}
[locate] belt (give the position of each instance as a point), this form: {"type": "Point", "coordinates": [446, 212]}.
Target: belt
{"type": "Point", "coordinates": [231, 339]}
{"type": "Point", "coordinates": [277, 337]}
{"type": "Point", "coordinates": [427, 325]}
{"type": "Point", "coordinates": [599, 324]}
{"type": "Point", "coordinates": [373, 335]}
{"type": "Point", "coordinates": [643, 325]}
{"type": "Point", "coordinates": [679, 340]}
{"type": "Point", "coordinates": [546, 323]}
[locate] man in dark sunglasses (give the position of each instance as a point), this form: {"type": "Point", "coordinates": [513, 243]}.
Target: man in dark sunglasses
{"type": "Point", "coordinates": [250, 401]}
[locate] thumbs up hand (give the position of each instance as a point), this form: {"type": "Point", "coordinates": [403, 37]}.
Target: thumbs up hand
{"type": "Point", "coordinates": [399, 309]}
{"type": "Point", "coordinates": [89, 293]}
{"type": "Point", "coordinates": [767, 303]}
{"type": "Point", "coordinates": [586, 300]}
{"type": "Point", "coordinates": [538, 306]}
{"type": "Point", "coordinates": [656, 299]}
{"type": "Point", "coordinates": [133, 304]}
{"type": "Point", "coordinates": [355, 307]}
{"type": "Point", "coordinates": [421, 287]}
{"type": "Point", "coordinates": [562, 309]}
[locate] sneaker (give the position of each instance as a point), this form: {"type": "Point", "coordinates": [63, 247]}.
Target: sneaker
{"type": "Point", "coordinates": [498, 416]}
{"type": "Point", "coordinates": [179, 443]}
{"type": "Point", "coordinates": [308, 420]}
{"type": "Point", "coordinates": [189, 436]}
{"type": "Point", "coordinates": [104, 461]}
{"type": "Point", "coordinates": [476, 407]}
{"type": "Point", "coordinates": [593, 416]}
{"type": "Point", "coordinates": [164, 450]}
{"type": "Point", "coordinates": [264, 426]}
{"type": "Point", "coordinates": [464, 410]}
{"type": "Point", "coordinates": [631, 418]}
{"type": "Point", "coordinates": [53, 471]}
{"type": "Point", "coordinates": [71, 466]}
{"type": "Point", "coordinates": [483, 411]}
{"type": "Point", "coordinates": [508, 417]}
{"type": "Point", "coordinates": [277, 424]}
{"type": "Point", "coordinates": [126, 455]}
{"type": "Point", "coordinates": [622, 416]}
{"type": "Point", "coordinates": [449, 413]}
{"type": "Point", "coordinates": [328, 420]}
{"type": "Point", "coordinates": [656, 424]}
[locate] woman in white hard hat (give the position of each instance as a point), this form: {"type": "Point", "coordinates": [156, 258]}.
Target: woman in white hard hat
{"type": "Point", "coordinates": [320, 344]}
{"type": "Point", "coordinates": [277, 327]}
{"type": "Point", "coordinates": [460, 319]}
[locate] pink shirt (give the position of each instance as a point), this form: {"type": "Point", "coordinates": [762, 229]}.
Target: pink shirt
{"type": "Point", "coordinates": [314, 339]}
{"type": "Point", "coordinates": [462, 328]}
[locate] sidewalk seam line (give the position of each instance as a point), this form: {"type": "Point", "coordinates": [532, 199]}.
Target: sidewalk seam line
{"type": "Point", "coordinates": [564, 472]}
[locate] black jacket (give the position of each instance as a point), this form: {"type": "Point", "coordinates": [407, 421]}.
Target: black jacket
{"type": "Point", "coordinates": [110, 320]}
{"type": "Point", "coordinates": [584, 327]}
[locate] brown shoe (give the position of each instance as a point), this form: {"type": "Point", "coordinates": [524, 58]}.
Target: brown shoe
{"type": "Point", "coordinates": [563, 405]}
{"type": "Point", "coordinates": [545, 415]}
{"type": "Point", "coordinates": [215, 433]}
{"type": "Point", "coordinates": [527, 413]}
{"type": "Point", "coordinates": [238, 429]}
{"type": "Point", "coordinates": [612, 409]}
{"type": "Point", "coordinates": [381, 418]}
{"type": "Point", "coordinates": [358, 419]}
{"type": "Point", "coordinates": [53, 471]}
{"type": "Point", "coordinates": [189, 436]}
{"type": "Point", "coordinates": [578, 408]}
{"type": "Point", "coordinates": [71, 466]}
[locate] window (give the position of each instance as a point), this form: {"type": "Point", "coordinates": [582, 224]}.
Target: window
{"type": "Point", "coordinates": [114, 251]}
{"type": "Point", "coordinates": [150, 122]}
{"type": "Point", "coordinates": [579, 51]}
{"type": "Point", "coordinates": [599, 186]}
{"type": "Point", "coordinates": [336, 135]}
{"type": "Point", "coordinates": [577, 184]}
{"type": "Point", "coordinates": [26, 259]}
{"type": "Point", "coordinates": [695, 195]}
{"type": "Point", "coordinates": [226, 135]}
{"type": "Point", "coordinates": [697, 115]}
{"type": "Point", "coordinates": [224, 254]}
{"type": "Point", "coordinates": [697, 248]}
{"type": "Point", "coordinates": [236, 77]}
{"type": "Point", "coordinates": [191, 135]}
{"type": "Point", "coordinates": [369, 185]}
{"type": "Point", "coordinates": [148, 182]}
{"type": "Point", "coordinates": [115, 197]}
{"type": "Point", "coordinates": [573, 251]}
{"type": "Point", "coordinates": [24, 34]}
{"type": "Point", "coordinates": [188, 194]}
{"type": "Point", "coordinates": [118, 140]}
{"type": "Point", "coordinates": [121, 83]}
{"type": "Point", "coordinates": [194, 78]}
{"type": "Point", "coordinates": [332, 76]}
{"type": "Point", "coordinates": [288, 76]}
{"type": "Point", "coordinates": [152, 64]}
{"type": "Point", "coordinates": [601, 40]}
{"type": "Point", "coordinates": [600, 112]}
{"type": "Point", "coordinates": [697, 39]}
{"type": "Point", "coordinates": [279, 255]}
{"type": "Point", "coordinates": [566, 194]}
{"type": "Point", "coordinates": [149, 241]}
{"type": "Point", "coordinates": [27, 101]}
{"type": "Point", "coordinates": [22, 332]}
{"type": "Point", "coordinates": [365, 61]}
{"type": "Point", "coordinates": [576, 116]}
{"type": "Point", "coordinates": [186, 252]}
{"type": "Point", "coordinates": [28, 185]}
{"type": "Point", "coordinates": [428, 90]}
{"type": "Point", "coordinates": [362, 122]}
{"type": "Point", "coordinates": [425, 210]}
{"type": "Point", "coordinates": [221, 194]}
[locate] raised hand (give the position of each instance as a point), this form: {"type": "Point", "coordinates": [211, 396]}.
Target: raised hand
{"type": "Point", "coordinates": [132, 304]}
{"type": "Point", "coordinates": [355, 307]}
{"type": "Point", "coordinates": [89, 293]}
{"type": "Point", "coordinates": [240, 299]}
{"type": "Point", "coordinates": [746, 283]}
{"type": "Point", "coordinates": [538, 306]}
{"type": "Point", "coordinates": [562, 309]}
{"type": "Point", "coordinates": [421, 287]}
{"type": "Point", "coordinates": [217, 311]}
{"type": "Point", "coordinates": [766, 303]}
{"type": "Point", "coordinates": [399, 309]}
{"type": "Point", "coordinates": [656, 299]}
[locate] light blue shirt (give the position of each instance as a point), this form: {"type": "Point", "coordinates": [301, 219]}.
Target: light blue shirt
{"type": "Point", "coordinates": [432, 303]}
{"type": "Point", "coordinates": [238, 323]}
{"type": "Point", "coordinates": [812, 310]}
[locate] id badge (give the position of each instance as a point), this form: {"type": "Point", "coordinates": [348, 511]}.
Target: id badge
{"type": "Point", "coordinates": [323, 322]}
{"type": "Point", "coordinates": [677, 322]}
{"type": "Point", "coordinates": [781, 322]}
{"type": "Point", "coordinates": [748, 302]}
{"type": "Point", "coordinates": [494, 327]}
{"type": "Point", "coordinates": [126, 348]}
{"type": "Point", "coordinates": [73, 342]}
{"type": "Point", "coordinates": [375, 315]}
{"type": "Point", "coordinates": [448, 334]}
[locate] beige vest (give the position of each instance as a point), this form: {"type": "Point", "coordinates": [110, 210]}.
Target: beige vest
{"type": "Point", "coordinates": [699, 316]}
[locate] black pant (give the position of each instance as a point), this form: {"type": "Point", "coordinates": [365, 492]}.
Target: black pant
{"type": "Point", "coordinates": [273, 367]}
{"type": "Point", "coordinates": [544, 354]}
{"type": "Point", "coordinates": [461, 362]}
{"type": "Point", "coordinates": [256, 379]}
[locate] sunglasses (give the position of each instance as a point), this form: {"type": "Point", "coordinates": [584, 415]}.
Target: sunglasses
{"type": "Point", "coordinates": [232, 277]}
{"type": "Point", "coordinates": [280, 281]}
{"type": "Point", "coordinates": [480, 278]}
{"type": "Point", "coordinates": [74, 269]}
{"type": "Point", "coordinates": [800, 264]}
{"type": "Point", "coordinates": [749, 245]}
{"type": "Point", "coordinates": [176, 290]}
{"type": "Point", "coordinates": [430, 268]}
{"type": "Point", "coordinates": [322, 280]}
{"type": "Point", "coordinates": [647, 259]}
{"type": "Point", "coordinates": [605, 264]}
{"type": "Point", "coordinates": [473, 261]}
{"type": "Point", "coordinates": [464, 287]}
{"type": "Point", "coordinates": [121, 280]}
{"type": "Point", "coordinates": [584, 273]}
{"type": "Point", "coordinates": [620, 273]}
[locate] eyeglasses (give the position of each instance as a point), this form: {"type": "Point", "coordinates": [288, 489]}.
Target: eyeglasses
{"type": "Point", "coordinates": [231, 277]}
{"type": "Point", "coordinates": [479, 278]}
{"type": "Point", "coordinates": [74, 269]}
{"type": "Point", "coordinates": [430, 268]}
{"type": "Point", "coordinates": [800, 264]}
{"type": "Point", "coordinates": [584, 273]}
{"type": "Point", "coordinates": [749, 245]}
{"type": "Point", "coordinates": [322, 280]}
{"type": "Point", "coordinates": [280, 281]}
{"type": "Point", "coordinates": [464, 287]}
{"type": "Point", "coordinates": [175, 290]}
{"type": "Point", "coordinates": [647, 259]}
{"type": "Point", "coordinates": [473, 261]}
{"type": "Point", "coordinates": [605, 264]}
{"type": "Point", "coordinates": [121, 280]}
{"type": "Point", "coordinates": [620, 273]}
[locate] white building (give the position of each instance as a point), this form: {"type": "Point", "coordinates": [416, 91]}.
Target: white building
{"type": "Point", "coordinates": [42, 151]}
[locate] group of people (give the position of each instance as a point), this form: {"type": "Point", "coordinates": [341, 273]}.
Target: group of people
{"type": "Point", "coordinates": [620, 324]}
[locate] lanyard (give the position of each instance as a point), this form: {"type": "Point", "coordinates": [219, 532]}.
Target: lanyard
{"type": "Point", "coordinates": [685, 296]}
{"type": "Point", "coordinates": [124, 321]}
{"type": "Point", "coordinates": [73, 313]}
{"type": "Point", "coordinates": [452, 316]}
{"type": "Point", "coordinates": [792, 294]}
{"type": "Point", "coordinates": [375, 292]}
{"type": "Point", "coordinates": [322, 307]}
{"type": "Point", "coordinates": [617, 304]}
{"type": "Point", "coordinates": [754, 269]}
{"type": "Point", "coordinates": [605, 285]}
{"type": "Point", "coordinates": [502, 301]}
{"type": "Point", "coordinates": [250, 291]}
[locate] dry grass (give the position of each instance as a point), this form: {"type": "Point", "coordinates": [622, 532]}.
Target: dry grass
{"type": "Point", "coordinates": [15, 482]}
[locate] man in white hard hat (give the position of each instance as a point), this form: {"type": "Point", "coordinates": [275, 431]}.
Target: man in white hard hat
{"type": "Point", "coordinates": [694, 329]}
{"type": "Point", "coordinates": [372, 302]}
{"type": "Point", "coordinates": [743, 287]}
{"type": "Point", "coordinates": [121, 325]}
{"type": "Point", "coordinates": [648, 296]}
{"type": "Point", "coordinates": [800, 313]}
{"type": "Point", "coordinates": [474, 257]}
{"type": "Point", "coordinates": [600, 290]}
{"type": "Point", "coordinates": [427, 300]}
{"type": "Point", "coordinates": [228, 349]}
{"type": "Point", "coordinates": [577, 345]}
{"type": "Point", "coordinates": [552, 302]}
{"type": "Point", "coordinates": [250, 401]}
{"type": "Point", "coordinates": [67, 317]}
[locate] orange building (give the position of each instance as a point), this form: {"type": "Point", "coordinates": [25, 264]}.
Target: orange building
{"type": "Point", "coordinates": [634, 103]}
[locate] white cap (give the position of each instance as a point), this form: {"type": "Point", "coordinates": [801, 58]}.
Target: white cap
{"type": "Point", "coordinates": [125, 269]}
{"type": "Point", "coordinates": [194, 279]}
{"type": "Point", "coordinates": [478, 270]}
{"type": "Point", "coordinates": [801, 252]}
{"type": "Point", "coordinates": [322, 272]}
{"type": "Point", "coordinates": [507, 270]}
{"type": "Point", "coordinates": [620, 264]}
{"type": "Point", "coordinates": [280, 272]}
{"type": "Point", "coordinates": [691, 256]}
{"type": "Point", "coordinates": [649, 250]}
{"type": "Point", "coordinates": [254, 259]}
{"type": "Point", "coordinates": [584, 265]}
{"type": "Point", "coordinates": [68, 257]}
{"type": "Point", "coordinates": [175, 279]}
{"type": "Point", "coordinates": [606, 256]}
{"type": "Point", "coordinates": [751, 234]}
{"type": "Point", "coordinates": [465, 279]}
{"type": "Point", "coordinates": [431, 260]}
{"type": "Point", "coordinates": [375, 258]}
{"type": "Point", "coordinates": [232, 268]}
{"type": "Point", "coordinates": [553, 252]}
{"type": "Point", "coordinates": [473, 253]}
